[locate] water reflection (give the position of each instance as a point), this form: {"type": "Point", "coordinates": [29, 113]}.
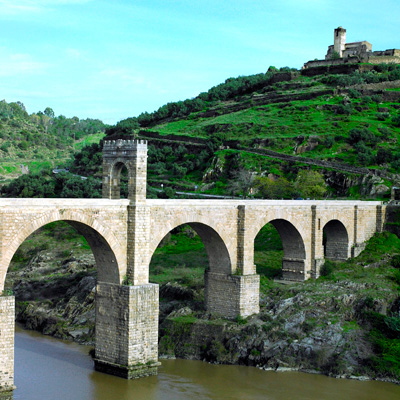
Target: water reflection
{"type": "Point", "coordinates": [47, 368]}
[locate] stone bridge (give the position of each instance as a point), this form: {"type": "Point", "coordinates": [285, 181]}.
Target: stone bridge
{"type": "Point", "coordinates": [124, 233]}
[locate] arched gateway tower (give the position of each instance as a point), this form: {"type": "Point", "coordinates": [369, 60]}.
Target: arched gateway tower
{"type": "Point", "coordinates": [127, 314]}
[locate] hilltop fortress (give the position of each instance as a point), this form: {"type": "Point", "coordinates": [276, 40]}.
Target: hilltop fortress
{"type": "Point", "coordinates": [352, 53]}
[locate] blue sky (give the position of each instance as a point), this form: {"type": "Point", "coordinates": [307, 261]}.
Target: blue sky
{"type": "Point", "coordinates": [115, 59]}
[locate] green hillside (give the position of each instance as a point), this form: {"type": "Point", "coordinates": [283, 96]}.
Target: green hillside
{"type": "Point", "coordinates": [40, 140]}
{"type": "Point", "coordinates": [339, 129]}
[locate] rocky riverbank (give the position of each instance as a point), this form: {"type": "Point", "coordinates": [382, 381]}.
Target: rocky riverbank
{"type": "Point", "coordinates": [346, 324]}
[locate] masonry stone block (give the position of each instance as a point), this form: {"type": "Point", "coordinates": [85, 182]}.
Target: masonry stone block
{"type": "Point", "coordinates": [127, 330]}
{"type": "Point", "coordinates": [232, 295]}
{"type": "Point", "coordinates": [7, 327]}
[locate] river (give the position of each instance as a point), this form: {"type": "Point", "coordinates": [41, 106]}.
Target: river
{"type": "Point", "coordinates": [51, 369]}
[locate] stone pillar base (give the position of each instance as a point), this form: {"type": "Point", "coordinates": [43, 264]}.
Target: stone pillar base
{"type": "Point", "coordinates": [232, 295]}
{"type": "Point", "coordinates": [318, 263]}
{"type": "Point", "coordinates": [127, 330]}
{"type": "Point", "coordinates": [125, 371]}
{"type": "Point", "coordinates": [293, 270]}
{"type": "Point", "coordinates": [357, 249]}
{"type": "Point", "coordinates": [7, 332]}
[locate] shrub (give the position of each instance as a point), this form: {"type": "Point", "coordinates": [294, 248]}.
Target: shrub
{"type": "Point", "coordinates": [366, 100]}
{"type": "Point", "coordinates": [354, 94]}
{"type": "Point", "coordinates": [383, 156]}
{"type": "Point", "coordinates": [327, 269]}
{"type": "Point", "coordinates": [357, 135]}
{"type": "Point", "coordinates": [382, 116]}
{"type": "Point", "coordinates": [395, 262]}
{"type": "Point", "coordinates": [396, 120]}
{"type": "Point", "coordinates": [376, 98]}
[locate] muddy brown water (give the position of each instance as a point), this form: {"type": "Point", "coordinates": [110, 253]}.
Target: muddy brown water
{"type": "Point", "coordinates": [51, 369]}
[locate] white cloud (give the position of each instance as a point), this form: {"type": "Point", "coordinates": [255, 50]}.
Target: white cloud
{"type": "Point", "coordinates": [14, 7]}
{"type": "Point", "coordinates": [15, 64]}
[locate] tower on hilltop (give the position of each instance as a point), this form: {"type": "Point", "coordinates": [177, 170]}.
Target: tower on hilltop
{"type": "Point", "coordinates": [339, 42]}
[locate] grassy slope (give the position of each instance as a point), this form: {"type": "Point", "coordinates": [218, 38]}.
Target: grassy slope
{"type": "Point", "coordinates": [290, 124]}
{"type": "Point", "coordinates": [39, 143]}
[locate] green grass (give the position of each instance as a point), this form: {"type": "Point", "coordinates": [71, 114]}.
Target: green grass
{"type": "Point", "coordinates": [181, 258]}
{"type": "Point", "coordinates": [88, 140]}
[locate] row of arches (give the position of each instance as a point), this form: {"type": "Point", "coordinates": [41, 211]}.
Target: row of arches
{"type": "Point", "coordinates": [279, 236]}
{"type": "Point", "coordinates": [282, 237]}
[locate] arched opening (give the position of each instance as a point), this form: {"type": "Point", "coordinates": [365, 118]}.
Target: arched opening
{"type": "Point", "coordinates": [181, 260]}
{"type": "Point", "coordinates": [119, 181]}
{"type": "Point", "coordinates": [279, 251]}
{"type": "Point", "coordinates": [53, 275]}
{"type": "Point", "coordinates": [335, 241]}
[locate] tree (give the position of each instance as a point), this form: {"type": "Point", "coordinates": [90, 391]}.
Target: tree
{"type": "Point", "coordinates": [125, 127]}
{"type": "Point", "coordinates": [310, 184]}
{"type": "Point", "coordinates": [49, 112]}
{"type": "Point", "coordinates": [279, 188]}
{"type": "Point", "coordinates": [242, 182]}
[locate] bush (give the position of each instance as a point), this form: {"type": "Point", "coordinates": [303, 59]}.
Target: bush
{"type": "Point", "coordinates": [395, 262]}
{"type": "Point", "coordinates": [382, 116]}
{"type": "Point", "coordinates": [327, 269]}
{"type": "Point", "coordinates": [23, 145]}
{"type": "Point", "coordinates": [361, 135]}
{"type": "Point", "coordinates": [5, 146]}
{"type": "Point", "coordinates": [366, 100]}
{"type": "Point", "coordinates": [354, 94]}
{"type": "Point", "coordinates": [396, 120]}
{"type": "Point", "coordinates": [383, 156]}
{"type": "Point", "coordinates": [329, 141]}
{"type": "Point", "coordinates": [376, 98]}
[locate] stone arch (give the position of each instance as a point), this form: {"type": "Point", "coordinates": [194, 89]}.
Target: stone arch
{"type": "Point", "coordinates": [115, 177]}
{"type": "Point", "coordinates": [294, 250]}
{"type": "Point", "coordinates": [110, 260]}
{"type": "Point", "coordinates": [335, 240]}
{"type": "Point", "coordinates": [218, 255]}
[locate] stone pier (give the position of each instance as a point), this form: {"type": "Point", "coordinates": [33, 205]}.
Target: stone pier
{"type": "Point", "coordinates": [127, 330]}
{"type": "Point", "coordinates": [7, 328]}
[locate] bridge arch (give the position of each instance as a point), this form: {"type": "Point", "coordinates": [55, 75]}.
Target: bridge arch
{"type": "Point", "coordinates": [335, 240]}
{"type": "Point", "coordinates": [109, 257]}
{"type": "Point", "coordinates": [294, 250]}
{"type": "Point", "coordinates": [219, 259]}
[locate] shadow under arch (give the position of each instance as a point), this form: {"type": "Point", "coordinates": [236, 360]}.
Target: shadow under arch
{"type": "Point", "coordinates": [294, 252]}
{"type": "Point", "coordinates": [117, 179]}
{"type": "Point", "coordinates": [335, 240]}
{"type": "Point", "coordinates": [219, 260]}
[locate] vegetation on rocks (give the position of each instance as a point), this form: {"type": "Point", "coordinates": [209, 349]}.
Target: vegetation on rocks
{"type": "Point", "coordinates": [345, 323]}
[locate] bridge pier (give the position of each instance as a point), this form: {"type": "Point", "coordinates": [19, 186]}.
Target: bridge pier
{"type": "Point", "coordinates": [293, 269]}
{"type": "Point", "coordinates": [232, 295]}
{"type": "Point", "coordinates": [127, 330]}
{"type": "Point", "coordinates": [7, 328]}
